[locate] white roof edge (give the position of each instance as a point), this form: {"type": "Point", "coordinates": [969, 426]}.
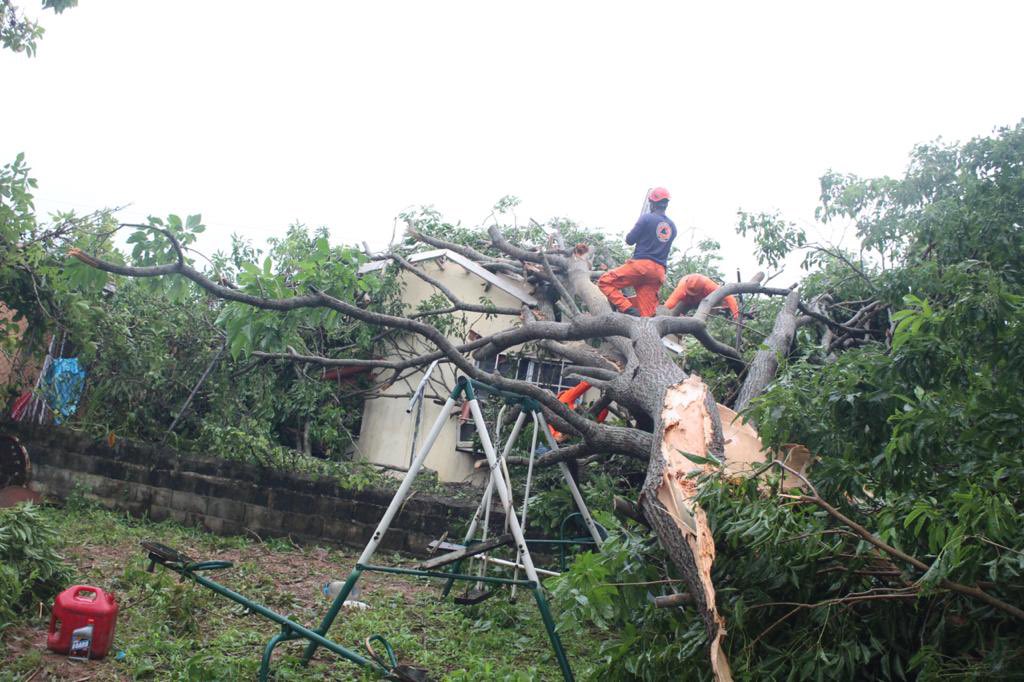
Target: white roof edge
{"type": "Point", "coordinates": [504, 283]}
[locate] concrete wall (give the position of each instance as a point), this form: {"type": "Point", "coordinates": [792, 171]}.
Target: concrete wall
{"type": "Point", "coordinates": [227, 497]}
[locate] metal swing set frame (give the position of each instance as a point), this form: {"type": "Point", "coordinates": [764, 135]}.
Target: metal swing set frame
{"type": "Point", "coordinates": [498, 481]}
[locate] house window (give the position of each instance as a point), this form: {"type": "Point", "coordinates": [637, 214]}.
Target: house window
{"type": "Point", "coordinates": [547, 374]}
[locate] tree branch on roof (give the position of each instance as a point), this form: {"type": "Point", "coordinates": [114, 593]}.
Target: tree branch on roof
{"type": "Point", "coordinates": [458, 303]}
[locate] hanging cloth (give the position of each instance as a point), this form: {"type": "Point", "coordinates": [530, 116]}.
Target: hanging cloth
{"type": "Point", "coordinates": [62, 387]}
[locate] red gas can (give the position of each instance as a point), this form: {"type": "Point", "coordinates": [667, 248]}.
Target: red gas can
{"type": "Point", "coordinates": [76, 607]}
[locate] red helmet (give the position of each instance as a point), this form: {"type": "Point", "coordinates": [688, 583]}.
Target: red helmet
{"type": "Point", "coordinates": [658, 194]}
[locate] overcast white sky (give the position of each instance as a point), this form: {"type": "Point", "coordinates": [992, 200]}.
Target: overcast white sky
{"type": "Point", "coordinates": [343, 114]}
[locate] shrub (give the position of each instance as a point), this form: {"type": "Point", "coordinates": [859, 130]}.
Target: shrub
{"type": "Point", "coordinates": [31, 571]}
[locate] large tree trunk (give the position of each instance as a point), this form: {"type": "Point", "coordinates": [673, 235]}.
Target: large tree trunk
{"type": "Point", "coordinates": [687, 423]}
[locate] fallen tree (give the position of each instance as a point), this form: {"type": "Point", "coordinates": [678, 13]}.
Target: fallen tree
{"type": "Point", "coordinates": [670, 412]}
{"type": "Point", "coordinates": [897, 366]}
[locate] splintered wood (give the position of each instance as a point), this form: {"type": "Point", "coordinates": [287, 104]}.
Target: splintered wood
{"type": "Point", "coordinates": [745, 454]}
{"type": "Point", "coordinates": [693, 424]}
{"type": "Point", "coordinates": [688, 425]}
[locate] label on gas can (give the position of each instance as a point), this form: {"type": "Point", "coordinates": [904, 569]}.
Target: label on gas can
{"type": "Point", "coordinates": [81, 643]}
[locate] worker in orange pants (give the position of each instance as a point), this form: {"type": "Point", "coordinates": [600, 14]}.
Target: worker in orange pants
{"type": "Point", "coordinates": [693, 289]}
{"type": "Point", "coordinates": [652, 236]}
{"type": "Point", "coordinates": [568, 397]}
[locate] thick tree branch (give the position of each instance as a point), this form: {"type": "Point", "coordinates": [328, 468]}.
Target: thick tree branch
{"type": "Point", "coordinates": [581, 328]}
{"type": "Point", "coordinates": [698, 330]}
{"type": "Point", "coordinates": [766, 362]}
{"type": "Point", "coordinates": [628, 442]}
{"type": "Point", "coordinates": [519, 253]}
{"type": "Point", "coordinates": [576, 352]}
{"type": "Point", "coordinates": [590, 373]}
{"type": "Point", "coordinates": [715, 298]}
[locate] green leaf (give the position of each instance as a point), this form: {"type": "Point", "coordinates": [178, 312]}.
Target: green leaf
{"type": "Point", "coordinates": [697, 459]}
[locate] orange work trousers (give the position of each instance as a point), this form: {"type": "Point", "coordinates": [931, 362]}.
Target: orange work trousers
{"type": "Point", "coordinates": [568, 397]}
{"type": "Point", "coordinates": [646, 278]}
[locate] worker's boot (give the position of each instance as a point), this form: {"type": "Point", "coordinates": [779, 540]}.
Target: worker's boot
{"type": "Point", "coordinates": [633, 311]}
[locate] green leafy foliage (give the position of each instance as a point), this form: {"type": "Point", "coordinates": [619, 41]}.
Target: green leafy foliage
{"type": "Point", "coordinates": [918, 438]}
{"type": "Point", "coordinates": [146, 342]}
{"type": "Point", "coordinates": [31, 570]}
{"type": "Point", "coordinates": [774, 237]}
{"type": "Point", "coordinates": [917, 430]}
{"type": "Point", "coordinates": [19, 33]}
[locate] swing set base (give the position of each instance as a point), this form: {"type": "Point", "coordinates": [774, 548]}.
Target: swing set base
{"type": "Point", "coordinates": [186, 567]}
{"type": "Point", "coordinates": [390, 669]}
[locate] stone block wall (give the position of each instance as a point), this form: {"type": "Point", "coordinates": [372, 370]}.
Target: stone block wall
{"type": "Point", "coordinates": [228, 497]}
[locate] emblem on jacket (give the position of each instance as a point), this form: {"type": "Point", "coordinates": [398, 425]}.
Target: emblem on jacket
{"type": "Point", "coordinates": [664, 232]}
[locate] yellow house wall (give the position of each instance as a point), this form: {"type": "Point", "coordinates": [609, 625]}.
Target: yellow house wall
{"type": "Point", "coordinates": [386, 436]}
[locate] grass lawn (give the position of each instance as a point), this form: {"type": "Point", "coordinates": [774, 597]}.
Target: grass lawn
{"type": "Point", "coordinates": [169, 630]}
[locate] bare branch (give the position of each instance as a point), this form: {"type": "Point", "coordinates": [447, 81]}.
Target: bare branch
{"type": "Point", "coordinates": [467, 251]}
{"type": "Point", "coordinates": [584, 327]}
{"type": "Point", "coordinates": [971, 591]}
{"type": "Point", "coordinates": [575, 352]}
{"type": "Point", "coordinates": [511, 337]}
{"type": "Point", "coordinates": [579, 353]}
{"type": "Point", "coordinates": [334, 362]}
{"type": "Point", "coordinates": [450, 295]}
{"type": "Point", "coordinates": [698, 330]}
{"type": "Point", "coordinates": [565, 295]}
{"type": "Point", "coordinates": [812, 311]}
{"type": "Point", "coordinates": [519, 253]}
{"type": "Point", "coordinates": [766, 362]}
{"type": "Point", "coordinates": [591, 373]}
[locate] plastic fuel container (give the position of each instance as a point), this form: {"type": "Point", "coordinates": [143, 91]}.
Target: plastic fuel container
{"type": "Point", "coordinates": [74, 611]}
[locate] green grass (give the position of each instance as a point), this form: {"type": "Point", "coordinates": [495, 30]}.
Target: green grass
{"type": "Point", "coordinates": [169, 630]}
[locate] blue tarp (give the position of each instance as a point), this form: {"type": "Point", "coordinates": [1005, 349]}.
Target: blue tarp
{"type": "Point", "coordinates": [62, 387]}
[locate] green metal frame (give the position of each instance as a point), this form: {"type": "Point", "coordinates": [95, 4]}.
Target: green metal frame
{"type": "Point", "coordinates": [290, 630]}
{"type": "Point", "coordinates": [463, 387]}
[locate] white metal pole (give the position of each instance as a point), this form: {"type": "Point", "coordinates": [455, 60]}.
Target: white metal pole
{"type": "Point", "coordinates": [417, 395]}
{"type": "Point", "coordinates": [403, 489]}
{"type": "Point", "coordinates": [417, 402]}
{"type": "Point", "coordinates": [526, 496]}
{"type": "Point", "coordinates": [503, 492]}
{"type": "Point", "coordinates": [516, 428]}
{"type": "Point", "coordinates": [588, 520]}
{"type": "Point", "coordinates": [485, 503]}
{"type": "Point", "coordinates": [529, 471]}
{"type": "Point", "coordinates": [505, 562]}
